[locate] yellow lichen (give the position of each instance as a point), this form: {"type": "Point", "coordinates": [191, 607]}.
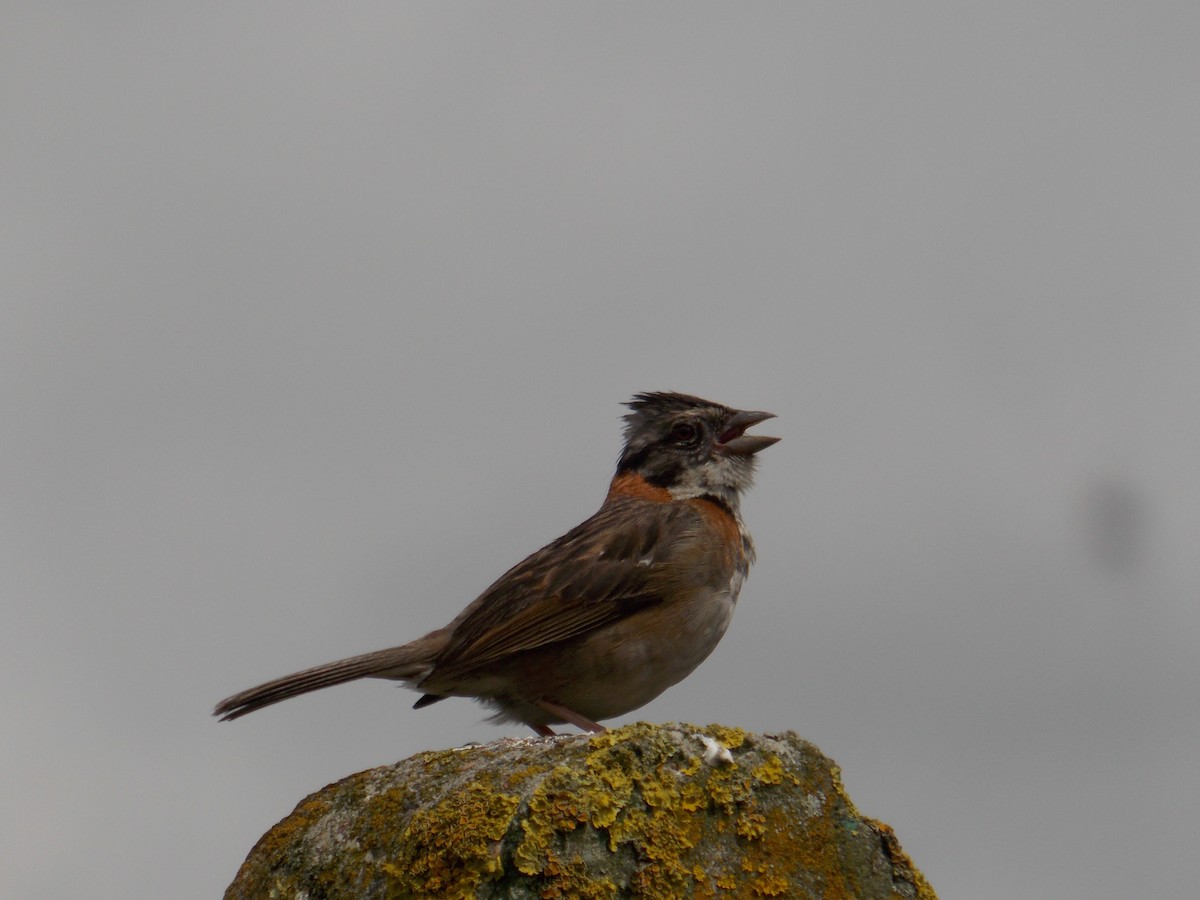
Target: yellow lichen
{"type": "Point", "coordinates": [727, 881]}
{"type": "Point", "coordinates": [836, 772]}
{"type": "Point", "coordinates": [730, 737]}
{"type": "Point", "coordinates": [454, 845]}
{"type": "Point", "coordinates": [770, 772]}
{"type": "Point", "coordinates": [633, 795]}
{"type": "Point", "coordinates": [567, 881]}
{"type": "Point", "coordinates": [770, 886]}
{"type": "Point", "coordinates": [641, 792]}
{"type": "Point", "coordinates": [751, 825]}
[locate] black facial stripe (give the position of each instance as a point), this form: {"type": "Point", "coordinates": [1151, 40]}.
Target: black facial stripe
{"type": "Point", "coordinates": [636, 461]}
{"type": "Point", "coordinates": [666, 476]}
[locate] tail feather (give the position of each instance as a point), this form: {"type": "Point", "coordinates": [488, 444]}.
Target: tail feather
{"type": "Point", "coordinates": [410, 662]}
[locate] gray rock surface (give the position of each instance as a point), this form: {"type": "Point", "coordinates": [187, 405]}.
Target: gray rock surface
{"type": "Point", "coordinates": [644, 810]}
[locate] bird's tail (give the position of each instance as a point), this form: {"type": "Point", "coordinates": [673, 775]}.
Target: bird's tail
{"type": "Point", "coordinates": [410, 662]}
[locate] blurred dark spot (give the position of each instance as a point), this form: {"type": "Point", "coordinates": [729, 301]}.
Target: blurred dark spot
{"type": "Point", "coordinates": [1114, 521]}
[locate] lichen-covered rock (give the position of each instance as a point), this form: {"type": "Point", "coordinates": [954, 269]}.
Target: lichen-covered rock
{"type": "Point", "coordinates": [632, 812]}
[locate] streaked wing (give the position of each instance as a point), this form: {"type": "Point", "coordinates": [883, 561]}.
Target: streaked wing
{"type": "Point", "coordinates": [596, 573]}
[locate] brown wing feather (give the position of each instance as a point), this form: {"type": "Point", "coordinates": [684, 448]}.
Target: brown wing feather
{"type": "Point", "coordinates": [597, 572]}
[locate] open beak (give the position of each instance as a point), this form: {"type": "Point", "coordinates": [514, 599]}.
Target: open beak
{"type": "Point", "coordinates": [734, 439]}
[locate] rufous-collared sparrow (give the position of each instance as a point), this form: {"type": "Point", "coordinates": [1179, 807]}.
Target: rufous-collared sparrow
{"type": "Point", "coordinates": [614, 612]}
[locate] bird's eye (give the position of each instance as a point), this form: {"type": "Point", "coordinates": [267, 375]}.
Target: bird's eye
{"type": "Point", "coordinates": [685, 433]}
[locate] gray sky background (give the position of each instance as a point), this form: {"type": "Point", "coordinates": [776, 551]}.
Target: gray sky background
{"type": "Point", "coordinates": [301, 301]}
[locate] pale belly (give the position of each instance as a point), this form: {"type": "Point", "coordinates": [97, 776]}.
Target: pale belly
{"type": "Point", "coordinates": [626, 665]}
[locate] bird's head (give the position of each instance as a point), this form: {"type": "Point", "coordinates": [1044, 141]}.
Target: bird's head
{"type": "Point", "coordinates": [691, 447]}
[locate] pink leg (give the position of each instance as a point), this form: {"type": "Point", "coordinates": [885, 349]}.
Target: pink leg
{"type": "Point", "coordinates": [568, 715]}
